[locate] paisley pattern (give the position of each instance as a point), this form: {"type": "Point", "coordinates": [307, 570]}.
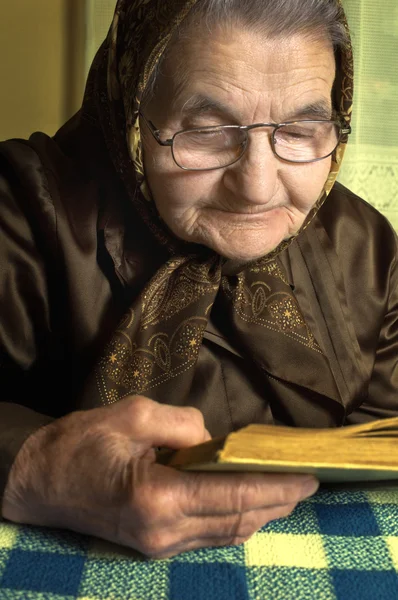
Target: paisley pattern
{"type": "Point", "coordinates": [159, 340]}
{"type": "Point", "coordinates": [270, 304]}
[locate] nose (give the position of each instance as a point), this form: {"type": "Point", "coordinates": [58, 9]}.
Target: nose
{"type": "Point", "coordinates": [254, 178]}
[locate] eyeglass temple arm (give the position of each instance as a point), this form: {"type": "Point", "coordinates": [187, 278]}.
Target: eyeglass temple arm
{"type": "Point", "coordinates": [155, 132]}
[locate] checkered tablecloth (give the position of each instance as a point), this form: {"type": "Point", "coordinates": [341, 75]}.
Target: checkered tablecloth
{"type": "Point", "coordinates": [337, 545]}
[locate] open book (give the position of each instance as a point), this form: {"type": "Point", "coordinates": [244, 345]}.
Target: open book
{"type": "Point", "coordinates": [366, 452]}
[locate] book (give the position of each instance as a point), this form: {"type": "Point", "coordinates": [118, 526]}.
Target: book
{"type": "Point", "coordinates": [354, 453]}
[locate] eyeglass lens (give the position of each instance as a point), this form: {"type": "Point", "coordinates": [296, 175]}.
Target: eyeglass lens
{"type": "Point", "coordinates": [217, 147]}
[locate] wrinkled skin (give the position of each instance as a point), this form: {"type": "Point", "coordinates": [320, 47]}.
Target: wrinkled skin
{"type": "Point", "coordinates": [95, 472]}
{"type": "Point", "coordinates": [245, 210]}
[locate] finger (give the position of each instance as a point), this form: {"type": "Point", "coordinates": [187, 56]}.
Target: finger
{"type": "Point", "coordinates": [207, 436]}
{"type": "Point", "coordinates": [230, 527]}
{"type": "Point", "coordinates": [167, 545]}
{"type": "Point", "coordinates": [229, 534]}
{"type": "Point", "coordinates": [197, 544]}
{"type": "Point", "coordinates": [242, 525]}
{"type": "Point", "coordinates": [202, 494]}
{"type": "Point", "coordinates": [215, 531]}
{"type": "Point", "coordinates": [162, 424]}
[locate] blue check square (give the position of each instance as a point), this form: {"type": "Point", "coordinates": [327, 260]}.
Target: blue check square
{"type": "Point", "coordinates": [43, 572]}
{"type": "Point", "coordinates": [365, 585]}
{"type": "Point", "coordinates": [346, 519]}
{"type": "Point", "coordinates": [213, 582]}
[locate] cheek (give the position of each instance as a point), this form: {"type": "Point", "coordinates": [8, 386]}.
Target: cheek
{"type": "Point", "coordinates": [161, 176]}
{"type": "Point", "coordinates": [176, 191]}
{"type": "Point", "coordinates": [305, 183]}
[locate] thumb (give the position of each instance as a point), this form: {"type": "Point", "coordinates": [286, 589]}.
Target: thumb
{"type": "Point", "coordinates": [158, 424]}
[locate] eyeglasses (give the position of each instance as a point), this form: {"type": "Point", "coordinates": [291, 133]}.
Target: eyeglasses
{"type": "Point", "coordinates": [215, 147]}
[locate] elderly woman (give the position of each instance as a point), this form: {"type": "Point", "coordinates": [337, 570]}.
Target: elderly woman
{"type": "Point", "coordinates": [177, 262]}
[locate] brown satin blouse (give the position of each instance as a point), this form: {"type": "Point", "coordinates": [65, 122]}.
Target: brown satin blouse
{"type": "Point", "coordinates": [74, 254]}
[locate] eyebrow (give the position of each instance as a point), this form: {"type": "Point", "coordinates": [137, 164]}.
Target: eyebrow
{"type": "Point", "coordinates": [199, 105]}
{"type": "Point", "coordinates": [320, 110]}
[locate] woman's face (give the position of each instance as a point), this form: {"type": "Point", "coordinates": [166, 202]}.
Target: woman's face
{"type": "Point", "coordinates": [245, 210]}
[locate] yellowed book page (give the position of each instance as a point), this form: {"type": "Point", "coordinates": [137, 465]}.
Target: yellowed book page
{"type": "Point", "coordinates": [370, 452]}
{"type": "Point", "coordinates": [385, 426]}
{"type": "Point", "coordinates": [357, 453]}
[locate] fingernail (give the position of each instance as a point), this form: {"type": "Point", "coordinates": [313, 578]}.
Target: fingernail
{"type": "Point", "coordinates": [310, 486]}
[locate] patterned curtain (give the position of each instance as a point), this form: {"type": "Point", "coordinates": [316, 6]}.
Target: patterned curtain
{"type": "Point", "coordinates": [99, 15]}
{"type": "Point", "coordinates": [370, 167]}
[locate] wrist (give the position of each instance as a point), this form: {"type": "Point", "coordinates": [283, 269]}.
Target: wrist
{"type": "Point", "coordinates": [25, 485]}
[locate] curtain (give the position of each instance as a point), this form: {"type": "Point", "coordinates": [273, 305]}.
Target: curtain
{"type": "Point", "coordinates": [99, 15]}
{"type": "Point", "coordinates": [370, 166]}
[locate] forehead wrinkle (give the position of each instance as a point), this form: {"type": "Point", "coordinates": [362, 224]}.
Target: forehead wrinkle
{"type": "Point", "coordinates": [240, 65]}
{"type": "Point", "coordinates": [240, 82]}
{"type": "Point", "coordinates": [203, 102]}
{"type": "Point", "coordinates": [207, 101]}
{"type": "Point", "coordinates": [269, 83]}
{"type": "Point", "coordinates": [221, 45]}
{"type": "Point", "coordinates": [199, 104]}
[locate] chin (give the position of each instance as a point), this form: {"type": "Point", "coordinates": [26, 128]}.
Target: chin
{"type": "Point", "coordinates": [242, 245]}
{"type": "Point", "coordinates": [244, 256]}
{"type": "Point", "coordinates": [246, 243]}
{"type": "Point", "coordinates": [244, 252]}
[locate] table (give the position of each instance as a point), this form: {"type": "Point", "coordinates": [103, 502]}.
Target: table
{"type": "Point", "coordinates": [337, 545]}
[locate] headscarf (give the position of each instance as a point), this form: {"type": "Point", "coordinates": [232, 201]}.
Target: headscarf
{"type": "Point", "coordinates": [155, 348]}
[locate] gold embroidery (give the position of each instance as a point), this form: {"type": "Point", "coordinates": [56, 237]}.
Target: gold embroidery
{"type": "Point", "coordinates": [270, 267]}
{"type": "Point", "coordinates": [273, 309]}
{"type": "Point", "coordinates": [142, 368]}
{"type": "Point", "coordinates": [137, 376]}
{"type": "Point", "coordinates": [115, 360]}
{"type": "Point", "coordinates": [285, 314]}
{"type": "Point", "coordinates": [177, 286]}
{"type": "Point", "coordinates": [162, 354]}
{"type": "Point", "coordinates": [188, 341]}
{"type": "Point", "coordinates": [259, 301]}
{"type": "Point", "coordinates": [113, 396]}
{"type": "Point", "coordinates": [128, 320]}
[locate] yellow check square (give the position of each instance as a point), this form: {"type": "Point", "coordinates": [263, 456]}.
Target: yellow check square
{"type": "Point", "coordinates": [392, 544]}
{"type": "Point", "coordinates": [104, 549]}
{"type": "Point", "coordinates": [387, 496]}
{"type": "Point", "coordinates": [285, 550]}
{"type": "Point", "coordinates": [8, 535]}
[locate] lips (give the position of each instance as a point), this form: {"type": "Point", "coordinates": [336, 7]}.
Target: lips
{"type": "Point", "coordinates": [249, 215]}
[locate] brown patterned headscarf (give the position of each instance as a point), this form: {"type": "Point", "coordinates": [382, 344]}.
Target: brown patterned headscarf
{"type": "Point", "coordinates": [155, 348]}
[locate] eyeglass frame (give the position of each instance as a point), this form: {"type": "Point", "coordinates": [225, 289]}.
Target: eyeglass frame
{"type": "Point", "coordinates": [344, 131]}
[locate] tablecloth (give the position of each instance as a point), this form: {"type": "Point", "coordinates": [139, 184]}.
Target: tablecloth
{"type": "Point", "coordinates": [337, 545]}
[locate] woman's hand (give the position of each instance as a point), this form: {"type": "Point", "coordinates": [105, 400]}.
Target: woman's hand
{"type": "Point", "coordinates": [95, 472]}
